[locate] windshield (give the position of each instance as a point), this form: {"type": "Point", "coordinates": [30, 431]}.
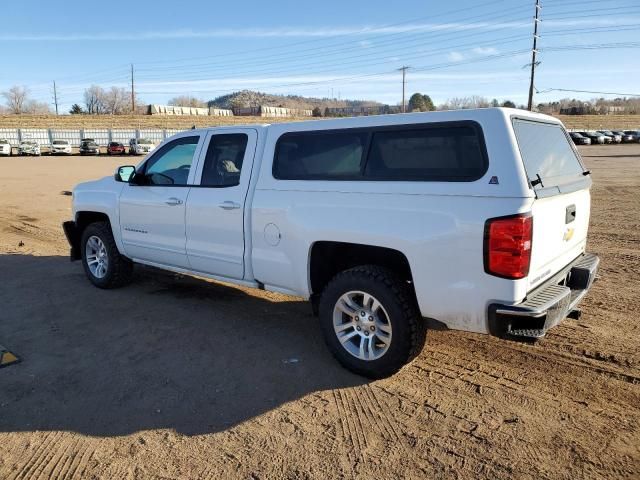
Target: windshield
{"type": "Point", "coordinates": [60, 142]}
{"type": "Point", "coordinates": [3, 142]}
{"type": "Point", "coordinates": [549, 159]}
{"type": "Point", "coordinates": [28, 143]}
{"type": "Point", "coordinates": [144, 141]}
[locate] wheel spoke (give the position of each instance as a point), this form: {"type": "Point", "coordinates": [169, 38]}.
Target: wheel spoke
{"type": "Point", "coordinates": [362, 342]}
{"type": "Point", "coordinates": [366, 300]}
{"type": "Point", "coordinates": [370, 347]}
{"type": "Point", "coordinates": [385, 327]}
{"type": "Point", "coordinates": [345, 308]}
{"type": "Point", "coordinates": [375, 305]}
{"type": "Point", "coordinates": [347, 336]}
{"type": "Point", "coordinates": [343, 327]}
{"type": "Point", "coordinates": [383, 336]}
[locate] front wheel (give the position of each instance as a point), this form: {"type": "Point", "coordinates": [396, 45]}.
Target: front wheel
{"type": "Point", "coordinates": [103, 264]}
{"type": "Point", "coordinates": [370, 321]}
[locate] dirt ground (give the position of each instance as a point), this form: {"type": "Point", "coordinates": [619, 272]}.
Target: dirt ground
{"type": "Point", "coordinates": [176, 378]}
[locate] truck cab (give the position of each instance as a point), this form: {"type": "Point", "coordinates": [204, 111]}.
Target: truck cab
{"type": "Point", "coordinates": [477, 219]}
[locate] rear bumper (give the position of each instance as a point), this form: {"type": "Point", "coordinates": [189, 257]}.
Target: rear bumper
{"type": "Point", "coordinates": [548, 304]}
{"type": "Point", "coordinates": [73, 237]}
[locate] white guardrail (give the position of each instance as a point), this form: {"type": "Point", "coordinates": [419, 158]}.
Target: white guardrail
{"type": "Point", "coordinates": [102, 136]}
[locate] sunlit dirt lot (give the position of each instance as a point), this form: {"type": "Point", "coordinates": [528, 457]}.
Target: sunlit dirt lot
{"type": "Point", "coordinates": [174, 377]}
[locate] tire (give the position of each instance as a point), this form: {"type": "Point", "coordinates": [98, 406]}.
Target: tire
{"type": "Point", "coordinates": [118, 269]}
{"type": "Point", "coordinates": [397, 318]}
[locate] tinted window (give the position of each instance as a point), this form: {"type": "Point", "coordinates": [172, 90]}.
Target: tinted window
{"type": "Point", "coordinates": [434, 153]}
{"type": "Point", "coordinates": [171, 164]}
{"type": "Point", "coordinates": [546, 152]}
{"type": "Point", "coordinates": [319, 155]}
{"type": "Point", "coordinates": [224, 159]}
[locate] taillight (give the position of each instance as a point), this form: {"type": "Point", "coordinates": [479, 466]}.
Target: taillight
{"type": "Point", "coordinates": [507, 246]}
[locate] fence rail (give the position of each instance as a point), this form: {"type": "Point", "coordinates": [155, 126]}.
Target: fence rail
{"type": "Point", "coordinates": [102, 136]}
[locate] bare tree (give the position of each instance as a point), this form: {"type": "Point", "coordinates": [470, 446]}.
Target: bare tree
{"type": "Point", "coordinates": [187, 101]}
{"type": "Point", "coordinates": [94, 99]}
{"type": "Point", "coordinates": [458, 103]}
{"type": "Point", "coordinates": [116, 101]}
{"type": "Point", "coordinates": [36, 108]}
{"type": "Point", "coordinates": [15, 98]}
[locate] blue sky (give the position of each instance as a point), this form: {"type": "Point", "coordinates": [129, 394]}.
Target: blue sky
{"type": "Point", "coordinates": [347, 49]}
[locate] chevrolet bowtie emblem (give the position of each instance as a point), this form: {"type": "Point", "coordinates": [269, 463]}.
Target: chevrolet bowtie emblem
{"type": "Point", "coordinates": [568, 235]}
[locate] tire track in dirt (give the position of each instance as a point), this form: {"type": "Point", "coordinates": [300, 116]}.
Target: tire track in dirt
{"type": "Point", "coordinates": [36, 456]}
{"type": "Point", "coordinates": [58, 457]}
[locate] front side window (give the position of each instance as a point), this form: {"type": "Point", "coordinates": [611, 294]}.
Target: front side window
{"type": "Point", "coordinates": [223, 162]}
{"type": "Point", "coordinates": [437, 154]}
{"type": "Point", "coordinates": [319, 155]}
{"type": "Point", "coordinates": [171, 164]}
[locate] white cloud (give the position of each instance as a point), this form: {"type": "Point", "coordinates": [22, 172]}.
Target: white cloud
{"type": "Point", "coordinates": [485, 50]}
{"type": "Point", "coordinates": [455, 56]}
{"type": "Point", "coordinates": [365, 43]}
{"type": "Point", "coordinates": [287, 31]}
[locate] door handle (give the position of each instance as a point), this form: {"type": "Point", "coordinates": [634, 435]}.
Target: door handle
{"type": "Point", "coordinates": [229, 205]}
{"type": "Point", "coordinates": [173, 201]}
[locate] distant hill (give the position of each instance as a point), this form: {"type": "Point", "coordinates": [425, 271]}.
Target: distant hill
{"type": "Point", "coordinates": [249, 98]}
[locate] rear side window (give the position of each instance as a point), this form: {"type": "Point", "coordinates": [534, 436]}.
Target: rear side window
{"type": "Point", "coordinates": [326, 155]}
{"type": "Point", "coordinates": [223, 162]}
{"type": "Point", "coordinates": [437, 154]}
{"type": "Point", "coordinates": [451, 152]}
{"type": "Point", "coordinates": [549, 159]}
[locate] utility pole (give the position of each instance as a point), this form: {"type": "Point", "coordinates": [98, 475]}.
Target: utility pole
{"type": "Point", "coordinates": [533, 54]}
{"type": "Point", "coordinates": [133, 93]}
{"type": "Point", "coordinates": [55, 96]}
{"type": "Point", "coordinates": [404, 69]}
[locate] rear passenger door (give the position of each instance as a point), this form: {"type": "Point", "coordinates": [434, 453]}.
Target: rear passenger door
{"type": "Point", "coordinates": [216, 204]}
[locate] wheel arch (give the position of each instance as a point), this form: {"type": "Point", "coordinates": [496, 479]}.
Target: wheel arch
{"type": "Point", "coordinates": [83, 219]}
{"type": "Point", "coordinates": [328, 258]}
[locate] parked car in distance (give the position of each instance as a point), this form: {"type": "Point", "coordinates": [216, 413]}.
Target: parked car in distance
{"type": "Point", "coordinates": [88, 146]}
{"type": "Point", "coordinates": [626, 137]}
{"type": "Point", "coordinates": [635, 134]}
{"type": "Point", "coordinates": [5, 147]}
{"type": "Point", "coordinates": [140, 146]}
{"type": "Point", "coordinates": [29, 147]}
{"type": "Point", "coordinates": [116, 148]}
{"type": "Point", "coordinates": [596, 138]}
{"type": "Point", "coordinates": [379, 221]}
{"type": "Point", "coordinates": [579, 139]}
{"type": "Point", "coordinates": [60, 147]}
{"type": "Point", "coordinates": [614, 137]}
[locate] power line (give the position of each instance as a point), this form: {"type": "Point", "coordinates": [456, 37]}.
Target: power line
{"type": "Point", "coordinates": [589, 91]}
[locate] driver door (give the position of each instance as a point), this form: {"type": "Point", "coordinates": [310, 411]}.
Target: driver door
{"type": "Point", "coordinates": [152, 207]}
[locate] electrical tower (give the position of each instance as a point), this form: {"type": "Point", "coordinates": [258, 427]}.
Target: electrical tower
{"type": "Point", "coordinates": [533, 54]}
{"type": "Point", "coordinates": [404, 69]}
{"type": "Point", "coordinates": [55, 96]}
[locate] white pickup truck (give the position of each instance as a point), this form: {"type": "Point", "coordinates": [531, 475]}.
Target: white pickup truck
{"type": "Point", "coordinates": [474, 218]}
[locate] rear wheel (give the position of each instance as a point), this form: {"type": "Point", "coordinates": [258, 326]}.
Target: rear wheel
{"type": "Point", "coordinates": [370, 321]}
{"type": "Point", "coordinates": [103, 264]}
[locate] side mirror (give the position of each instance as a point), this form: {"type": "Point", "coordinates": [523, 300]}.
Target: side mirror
{"type": "Point", "coordinates": [124, 173]}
